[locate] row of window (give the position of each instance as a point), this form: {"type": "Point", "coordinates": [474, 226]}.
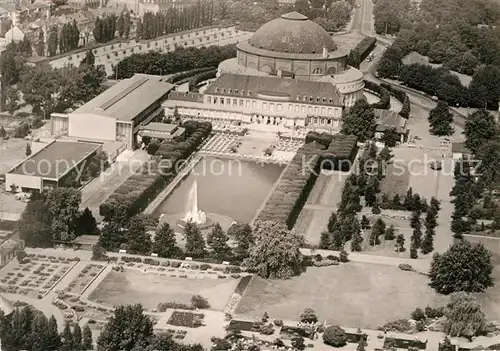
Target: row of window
{"type": "Point", "coordinates": [298, 97]}
{"type": "Point", "coordinates": [271, 107]}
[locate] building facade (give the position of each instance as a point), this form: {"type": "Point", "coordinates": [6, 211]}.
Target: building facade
{"type": "Point", "coordinates": [300, 48]}
{"type": "Point", "coordinates": [266, 100]}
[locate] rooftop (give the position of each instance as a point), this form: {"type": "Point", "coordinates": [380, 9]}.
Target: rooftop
{"type": "Point", "coordinates": [127, 99]}
{"type": "Point", "coordinates": [459, 148]}
{"type": "Point", "coordinates": [292, 33]}
{"type": "Point", "coordinates": [54, 160]}
{"type": "Point", "coordinates": [296, 90]}
{"type": "Point", "coordinates": [161, 127]}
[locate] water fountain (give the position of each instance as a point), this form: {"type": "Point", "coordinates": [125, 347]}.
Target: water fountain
{"type": "Point", "coordinates": [193, 213]}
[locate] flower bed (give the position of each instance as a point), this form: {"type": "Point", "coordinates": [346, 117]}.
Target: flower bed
{"type": "Point", "coordinates": [186, 319]}
{"type": "Point", "coordinates": [84, 278]}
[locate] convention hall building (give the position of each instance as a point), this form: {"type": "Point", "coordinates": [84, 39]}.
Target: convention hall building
{"type": "Point", "coordinates": [290, 72]}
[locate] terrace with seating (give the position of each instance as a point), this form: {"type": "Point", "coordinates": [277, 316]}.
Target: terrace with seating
{"type": "Point", "coordinates": [223, 143]}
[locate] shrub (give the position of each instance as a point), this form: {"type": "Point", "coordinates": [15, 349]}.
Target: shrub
{"type": "Point", "coordinates": [267, 329]}
{"type": "Point", "coordinates": [175, 264]}
{"type": "Point", "coordinates": [420, 326]}
{"type": "Point", "coordinates": [205, 266]}
{"type": "Point", "coordinates": [405, 267]}
{"type": "Point", "coordinates": [278, 322]}
{"type": "Point", "coordinates": [400, 325]}
{"type": "Point", "coordinates": [308, 316]}
{"type": "Point", "coordinates": [335, 336]}
{"type": "Point", "coordinates": [434, 312]}
{"type": "Point", "coordinates": [418, 314]}
{"type": "Point", "coordinates": [318, 257]}
{"type": "Point", "coordinates": [198, 301]}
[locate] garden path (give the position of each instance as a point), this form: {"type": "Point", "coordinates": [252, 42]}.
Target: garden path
{"type": "Point", "coordinates": [44, 305]}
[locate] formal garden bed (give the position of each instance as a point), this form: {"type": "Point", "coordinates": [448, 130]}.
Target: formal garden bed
{"type": "Point", "coordinates": [35, 276]}
{"type": "Point", "coordinates": [186, 319]}
{"type": "Point", "coordinates": [86, 276]}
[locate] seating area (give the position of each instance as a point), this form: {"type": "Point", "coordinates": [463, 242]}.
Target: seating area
{"type": "Point", "coordinates": [288, 145]}
{"type": "Point", "coordinates": [222, 143]}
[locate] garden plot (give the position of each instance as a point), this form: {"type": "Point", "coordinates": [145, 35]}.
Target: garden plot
{"type": "Point", "coordinates": [353, 294]}
{"type": "Point", "coordinates": [396, 181]}
{"type": "Point", "coordinates": [132, 286]}
{"type": "Point", "coordinates": [87, 274]}
{"type": "Point", "coordinates": [36, 276]}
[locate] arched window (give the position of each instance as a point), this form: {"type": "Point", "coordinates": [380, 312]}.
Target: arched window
{"type": "Point", "coordinates": [317, 71]}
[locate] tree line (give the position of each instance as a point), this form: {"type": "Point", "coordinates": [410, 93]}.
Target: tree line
{"type": "Point", "coordinates": [179, 60]}
{"type": "Point", "coordinates": [174, 20]}
{"type": "Point", "coordinates": [29, 329]}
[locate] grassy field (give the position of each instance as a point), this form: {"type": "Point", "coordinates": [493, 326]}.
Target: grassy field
{"type": "Point", "coordinates": [131, 287]}
{"type": "Point", "coordinates": [395, 182]}
{"type": "Point", "coordinates": [353, 294]}
{"type": "Point", "coordinates": [12, 151]}
{"type": "Point", "coordinates": [490, 300]}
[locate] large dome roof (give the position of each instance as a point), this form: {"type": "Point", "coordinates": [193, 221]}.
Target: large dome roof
{"type": "Point", "coordinates": [292, 33]}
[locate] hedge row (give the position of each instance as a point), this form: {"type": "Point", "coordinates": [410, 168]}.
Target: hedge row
{"type": "Point", "coordinates": [295, 184]}
{"type": "Point", "coordinates": [139, 189]}
{"type": "Point", "coordinates": [341, 148]}
{"type": "Point", "coordinates": [183, 77]}
{"type": "Point", "coordinates": [402, 97]}
{"type": "Point", "coordinates": [194, 81]}
{"type": "Point", "coordinates": [381, 92]}
{"type": "Point", "coordinates": [364, 47]}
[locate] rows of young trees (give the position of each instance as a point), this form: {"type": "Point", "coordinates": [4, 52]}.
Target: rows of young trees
{"type": "Point", "coordinates": [179, 60]}
{"type": "Point", "coordinates": [473, 197]}
{"type": "Point", "coordinates": [199, 14]}
{"type": "Point", "coordinates": [29, 329]}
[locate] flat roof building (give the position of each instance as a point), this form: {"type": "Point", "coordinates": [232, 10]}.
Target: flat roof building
{"type": "Point", "coordinates": [47, 167]}
{"type": "Point", "coordinates": [117, 114]}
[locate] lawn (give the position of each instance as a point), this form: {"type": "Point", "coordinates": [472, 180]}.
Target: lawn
{"type": "Point", "coordinates": [353, 294]}
{"type": "Point", "coordinates": [130, 287]}
{"type": "Point", "coordinates": [395, 181]}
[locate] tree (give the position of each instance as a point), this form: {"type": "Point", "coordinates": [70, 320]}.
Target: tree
{"type": "Point", "coordinates": [441, 120]}
{"type": "Point", "coordinates": [52, 42]}
{"type": "Point", "coordinates": [335, 336]}
{"type": "Point", "coordinates": [276, 253]}
{"type": "Point", "coordinates": [343, 256]}
{"type": "Point", "coordinates": [129, 327]}
{"type": "Point", "coordinates": [480, 127]}
{"type": "Point", "coordinates": [195, 244]}
{"type": "Point", "coordinates": [86, 224]}
{"type": "Point", "coordinates": [390, 233]}
{"type": "Point", "coordinates": [88, 60]}
{"type": "Point", "coordinates": [332, 222]}
{"type": "Point", "coordinates": [325, 241]}
{"type": "Point", "coordinates": [21, 255]}
{"type": "Point", "coordinates": [361, 345]}
{"type": "Point", "coordinates": [52, 336]}
{"type": "Point", "coordinates": [400, 243]}
{"type": "Point", "coordinates": [413, 250]}
{"type": "Point", "coordinates": [243, 235]}
{"type": "Point", "coordinates": [138, 240]}
{"type": "Point", "coordinates": [217, 240]}
{"type": "Point", "coordinates": [165, 244]}
{"type": "Point", "coordinates": [39, 87]}
{"type": "Point", "coordinates": [67, 343]}
{"type": "Point", "coordinates": [446, 345]}
{"type": "Point", "coordinates": [308, 316]}
{"type": "Point", "coordinates": [377, 230]}
{"type": "Point", "coordinates": [153, 147]}
{"type": "Point", "coordinates": [77, 336]}
{"type": "Point", "coordinates": [464, 267]}
{"type": "Point", "coordinates": [428, 242]}
{"type": "Point", "coordinates": [112, 235]}
{"type": "Point", "coordinates": [3, 133]}
{"type": "Point", "coordinates": [464, 317]}
{"type": "Point", "coordinates": [87, 343]}
{"type": "Point", "coordinates": [98, 252]}
{"type": "Point", "coordinates": [488, 153]}
{"type": "Point", "coordinates": [376, 208]}
{"type": "Point", "coordinates": [359, 120]}
{"type": "Point", "coordinates": [483, 90]}
{"type": "Point", "coordinates": [298, 343]}
{"type": "Point", "coordinates": [365, 223]}
{"type": "Point", "coordinates": [357, 242]}
{"type": "Point", "coordinates": [13, 97]}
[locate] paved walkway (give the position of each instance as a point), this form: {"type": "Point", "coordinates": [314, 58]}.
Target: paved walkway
{"type": "Point", "coordinates": [44, 305]}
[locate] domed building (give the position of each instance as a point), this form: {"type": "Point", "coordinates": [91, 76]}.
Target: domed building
{"type": "Point", "coordinates": [290, 72]}
{"type": "Point", "coordinates": [297, 47]}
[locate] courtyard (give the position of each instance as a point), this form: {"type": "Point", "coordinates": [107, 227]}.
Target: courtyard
{"type": "Point", "coordinates": [353, 294]}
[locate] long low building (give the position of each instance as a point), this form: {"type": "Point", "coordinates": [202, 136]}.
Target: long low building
{"type": "Point", "coordinates": [266, 100]}
{"type": "Point", "coordinates": [48, 167]}
{"type": "Point", "coordinates": [117, 114]}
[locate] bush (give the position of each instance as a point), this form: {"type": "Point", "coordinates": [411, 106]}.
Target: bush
{"type": "Point", "coordinates": [434, 312]}
{"type": "Point", "coordinates": [267, 329]}
{"type": "Point", "coordinates": [335, 336]}
{"type": "Point", "coordinates": [400, 325]}
{"type": "Point", "coordinates": [418, 314]}
{"type": "Point", "coordinates": [205, 266]}
{"type": "Point", "coordinates": [318, 258]}
{"type": "Point", "coordinates": [278, 322]}
{"type": "Point", "coordinates": [405, 267]}
{"type": "Point", "coordinates": [308, 316]}
{"type": "Point", "coordinates": [420, 326]}
{"type": "Point", "coordinates": [199, 301]}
